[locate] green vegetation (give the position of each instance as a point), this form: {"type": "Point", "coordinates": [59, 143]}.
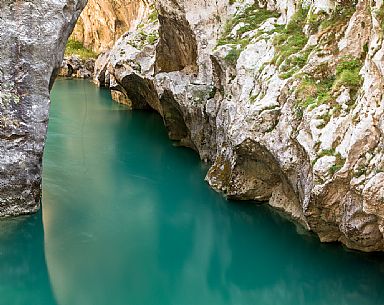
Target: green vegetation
{"type": "Point", "coordinates": [294, 63]}
{"type": "Point", "coordinates": [326, 152]}
{"type": "Point", "coordinates": [152, 38]}
{"type": "Point", "coordinates": [290, 41]}
{"type": "Point", "coordinates": [233, 55]}
{"type": "Point", "coordinates": [289, 45]}
{"type": "Point", "coordinates": [77, 48]}
{"type": "Point", "coordinates": [323, 85]}
{"type": "Point", "coordinates": [153, 16]}
{"type": "Point", "coordinates": [144, 36]}
{"type": "Point", "coordinates": [313, 92]}
{"type": "Point", "coordinates": [339, 162]}
{"type": "Point", "coordinates": [252, 17]}
{"type": "Point", "coordinates": [292, 53]}
{"type": "Point", "coordinates": [348, 73]}
{"type": "Point", "coordinates": [361, 170]}
{"type": "Point", "coordinates": [314, 20]}
{"type": "Point", "coordinates": [339, 16]}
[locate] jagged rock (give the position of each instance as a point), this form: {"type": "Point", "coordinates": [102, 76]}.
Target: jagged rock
{"type": "Point", "coordinates": [128, 68]}
{"type": "Point", "coordinates": [74, 66]}
{"type": "Point", "coordinates": [33, 35]}
{"type": "Point", "coordinates": [298, 125]}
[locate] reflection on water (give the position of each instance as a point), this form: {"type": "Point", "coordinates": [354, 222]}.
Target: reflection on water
{"type": "Point", "coordinates": [128, 219]}
{"type": "Point", "coordinates": [23, 272]}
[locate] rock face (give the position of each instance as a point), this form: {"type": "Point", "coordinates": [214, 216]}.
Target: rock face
{"type": "Point", "coordinates": [74, 66]}
{"type": "Point", "coordinates": [103, 21]}
{"type": "Point", "coordinates": [123, 68]}
{"type": "Point", "coordinates": [33, 36]}
{"type": "Point", "coordinates": [284, 98]}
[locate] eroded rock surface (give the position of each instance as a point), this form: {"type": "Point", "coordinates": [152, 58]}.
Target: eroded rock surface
{"type": "Point", "coordinates": [74, 66]}
{"type": "Point", "coordinates": [104, 21]}
{"type": "Point", "coordinates": [33, 35]}
{"type": "Point", "coordinates": [285, 98]}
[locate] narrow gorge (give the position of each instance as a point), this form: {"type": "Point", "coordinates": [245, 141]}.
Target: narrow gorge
{"type": "Point", "coordinates": [198, 152]}
{"type": "Point", "coordinates": [284, 99]}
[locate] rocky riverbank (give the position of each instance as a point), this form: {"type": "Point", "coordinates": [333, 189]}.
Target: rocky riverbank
{"type": "Point", "coordinates": [75, 66]}
{"type": "Point", "coordinates": [285, 99]}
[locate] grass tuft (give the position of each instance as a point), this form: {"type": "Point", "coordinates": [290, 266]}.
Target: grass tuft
{"type": "Point", "coordinates": [348, 73]}
{"type": "Point", "coordinates": [289, 44]}
{"type": "Point", "coordinates": [251, 18]}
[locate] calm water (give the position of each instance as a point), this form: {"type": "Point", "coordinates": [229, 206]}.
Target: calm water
{"type": "Point", "coordinates": [127, 219]}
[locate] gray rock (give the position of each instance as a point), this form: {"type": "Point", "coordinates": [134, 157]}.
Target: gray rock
{"type": "Point", "coordinates": [74, 66]}
{"type": "Point", "coordinates": [33, 35]}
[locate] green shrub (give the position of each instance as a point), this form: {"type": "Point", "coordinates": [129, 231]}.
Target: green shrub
{"type": "Point", "coordinates": [152, 38]}
{"type": "Point", "coordinates": [321, 91]}
{"type": "Point", "coordinates": [153, 16]}
{"type": "Point", "coordinates": [314, 92]}
{"type": "Point", "coordinates": [348, 73]}
{"type": "Point", "coordinates": [348, 78]}
{"type": "Point", "coordinates": [233, 55]}
{"type": "Point", "coordinates": [339, 163]}
{"type": "Point", "coordinates": [77, 48]}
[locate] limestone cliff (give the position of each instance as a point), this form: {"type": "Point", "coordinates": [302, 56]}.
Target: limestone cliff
{"type": "Point", "coordinates": [33, 35]}
{"type": "Point", "coordinates": [103, 21]}
{"type": "Point", "coordinates": [285, 98]}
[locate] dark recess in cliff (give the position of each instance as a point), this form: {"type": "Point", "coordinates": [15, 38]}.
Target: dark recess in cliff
{"type": "Point", "coordinates": [177, 48]}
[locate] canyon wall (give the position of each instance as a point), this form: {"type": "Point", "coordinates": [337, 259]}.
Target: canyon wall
{"type": "Point", "coordinates": [33, 35]}
{"type": "Point", "coordinates": [284, 98]}
{"type": "Point", "coordinates": [103, 21]}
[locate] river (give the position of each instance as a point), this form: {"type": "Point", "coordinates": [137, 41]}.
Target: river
{"type": "Point", "coordinates": [128, 219]}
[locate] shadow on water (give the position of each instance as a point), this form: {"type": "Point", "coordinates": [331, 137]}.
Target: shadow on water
{"type": "Point", "coordinates": [128, 219]}
{"type": "Point", "coordinates": [23, 271]}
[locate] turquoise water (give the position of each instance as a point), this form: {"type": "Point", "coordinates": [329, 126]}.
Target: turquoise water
{"type": "Point", "coordinates": [128, 219]}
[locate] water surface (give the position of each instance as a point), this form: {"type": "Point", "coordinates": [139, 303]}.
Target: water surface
{"type": "Point", "coordinates": [128, 219]}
